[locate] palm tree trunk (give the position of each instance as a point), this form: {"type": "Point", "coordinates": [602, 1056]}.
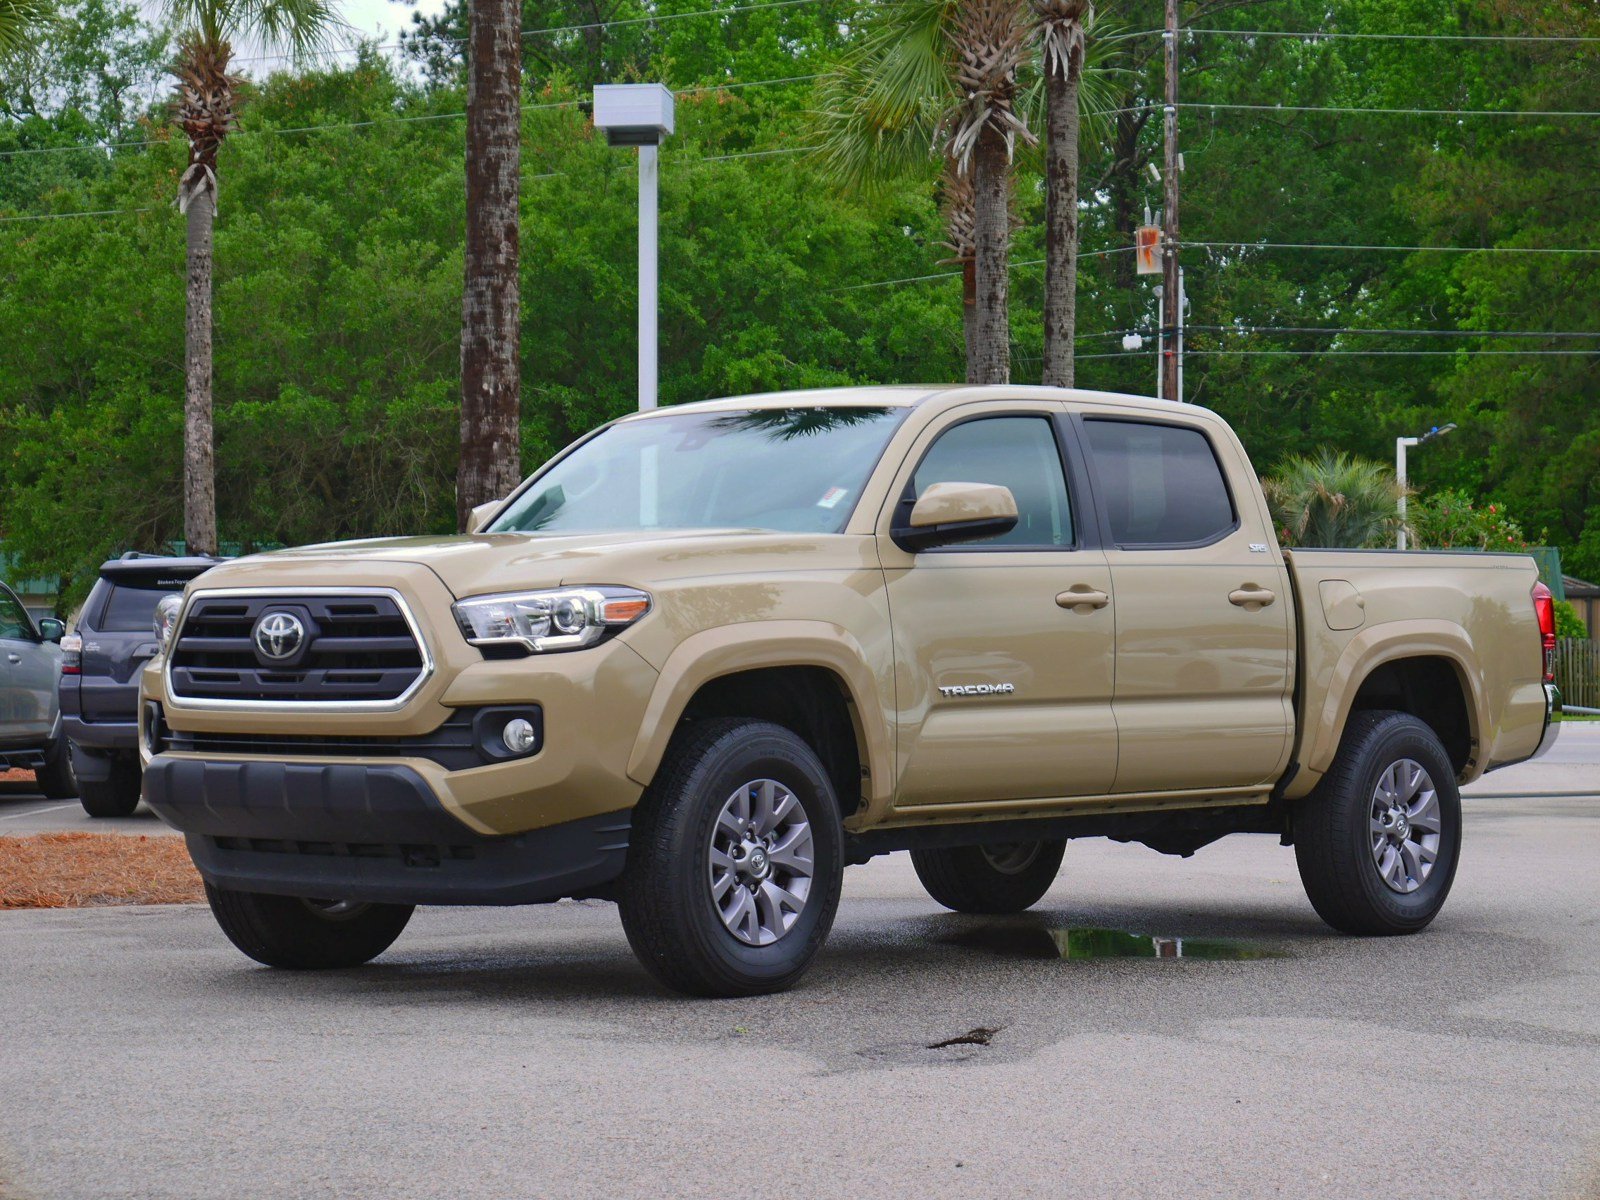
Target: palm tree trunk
{"type": "Point", "coordinates": [990, 358]}
{"type": "Point", "coordinates": [969, 308]}
{"type": "Point", "coordinates": [1061, 220]}
{"type": "Point", "coordinates": [491, 363]}
{"type": "Point", "coordinates": [199, 463]}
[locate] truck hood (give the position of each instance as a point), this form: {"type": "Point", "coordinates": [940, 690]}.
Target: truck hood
{"type": "Point", "coordinates": [477, 564]}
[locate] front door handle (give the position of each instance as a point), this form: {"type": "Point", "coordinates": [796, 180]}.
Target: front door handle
{"type": "Point", "coordinates": [1251, 597]}
{"type": "Point", "coordinates": [1080, 597]}
{"type": "Point", "coordinates": [13, 658]}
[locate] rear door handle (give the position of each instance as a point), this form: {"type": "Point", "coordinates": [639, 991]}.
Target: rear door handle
{"type": "Point", "coordinates": [1080, 597]}
{"type": "Point", "coordinates": [1251, 597]}
{"type": "Point", "coordinates": [13, 658]}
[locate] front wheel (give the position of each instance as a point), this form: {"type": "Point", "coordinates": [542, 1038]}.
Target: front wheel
{"type": "Point", "coordinates": [1378, 840]}
{"type": "Point", "coordinates": [304, 934]}
{"type": "Point", "coordinates": [735, 861]}
{"type": "Point", "coordinates": [1006, 877]}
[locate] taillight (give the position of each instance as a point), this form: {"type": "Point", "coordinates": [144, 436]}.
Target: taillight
{"type": "Point", "coordinates": [1544, 607]}
{"type": "Point", "coordinates": [71, 654]}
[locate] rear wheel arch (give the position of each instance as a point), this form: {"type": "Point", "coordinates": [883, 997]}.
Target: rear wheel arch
{"type": "Point", "coordinates": [1434, 689]}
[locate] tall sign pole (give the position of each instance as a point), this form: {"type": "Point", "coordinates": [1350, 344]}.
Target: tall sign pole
{"type": "Point", "coordinates": [1171, 282]}
{"type": "Point", "coordinates": [641, 114]}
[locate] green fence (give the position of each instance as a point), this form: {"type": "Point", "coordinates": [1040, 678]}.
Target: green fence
{"type": "Point", "coordinates": [1578, 672]}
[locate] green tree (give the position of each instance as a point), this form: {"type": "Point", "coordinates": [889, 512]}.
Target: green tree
{"type": "Point", "coordinates": [206, 110]}
{"type": "Point", "coordinates": [22, 22]}
{"type": "Point", "coordinates": [1332, 499]}
{"type": "Point", "coordinates": [941, 73]}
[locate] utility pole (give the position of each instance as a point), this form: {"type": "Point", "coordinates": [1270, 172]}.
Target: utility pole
{"type": "Point", "coordinates": [1171, 279]}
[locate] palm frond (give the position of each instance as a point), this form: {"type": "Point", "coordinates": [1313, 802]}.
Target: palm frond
{"type": "Point", "coordinates": [22, 23]}
{"type": "Point", "coordinates": [301, 27]}
{"type": "Point", "coordinates": [1335, 500]}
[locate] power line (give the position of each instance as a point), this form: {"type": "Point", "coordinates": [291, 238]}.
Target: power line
{"type": "Point", "coordinates": [650, 20]}
{"type": "Point", "coordinates": [100, 212]}
{"type": "Point", "coordinates": [1403, 112]}
{"type": "Point", "coordinates": [1144, 354]}
{"type": "Point", "coordinates": [1398, 249]}
{"type": "Point", "coordinates": [1352, 329]}
{"type": "Point", "coordinates": [1317, 36]}
{"type": "Point", "coordinates": [376, 121]}
{"type": "Point", "coordinates": [1031, 262]}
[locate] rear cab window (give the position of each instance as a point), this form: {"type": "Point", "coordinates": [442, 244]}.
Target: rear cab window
{"type": "Point", "coordinates": [1160, 485]}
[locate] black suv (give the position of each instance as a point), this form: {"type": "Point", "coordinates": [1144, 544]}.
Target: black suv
{"type": "Point", "coordinates": [101, 661]}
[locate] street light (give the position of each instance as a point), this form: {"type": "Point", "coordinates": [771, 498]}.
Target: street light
{"type": "Point", "coordinates": [1400, 446]}
{"type": "Point", "coordinates": [640, 114]}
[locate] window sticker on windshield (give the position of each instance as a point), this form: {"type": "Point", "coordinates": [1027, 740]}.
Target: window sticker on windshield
{"type": "Point", "coordinates": [832, 496]}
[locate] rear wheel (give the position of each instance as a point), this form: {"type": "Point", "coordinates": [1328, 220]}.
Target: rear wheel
{"type": "Point", "coordinates": [306, 934]}
{"type": "Point", "coordinates": [55, 778]}
{"type": "Point", "coordinates": [1378, 840]}
{"type": "Point", "coordinates": [735, 861]}
{"type": "Point", "coordinates": [116, 795]}
{"type": "Point", "coordinates": [1003, 877]}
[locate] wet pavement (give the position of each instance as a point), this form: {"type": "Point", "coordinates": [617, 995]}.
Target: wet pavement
{"type": "Point", "coordinates": [1094, 1047]}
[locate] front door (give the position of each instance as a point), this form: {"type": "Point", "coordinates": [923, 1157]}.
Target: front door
{"type": "Point", "coordinates": [1003, 648]}
{"type": "Point", "coordinates": [28, 668]}
{"type": "Point", "coordinates": [1205, 633]}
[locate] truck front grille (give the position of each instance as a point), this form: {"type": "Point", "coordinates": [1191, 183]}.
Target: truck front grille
{"type": "Point", "coordinates": [340, 649]}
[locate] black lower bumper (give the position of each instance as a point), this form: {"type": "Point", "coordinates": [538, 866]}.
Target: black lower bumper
{"type": "Point", "coordinates": [346, 831]}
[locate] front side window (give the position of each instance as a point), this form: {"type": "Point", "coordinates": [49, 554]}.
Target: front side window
{"type": "Point", "coordinates": [1161, 485]}
{"type": "Point", "coordinates": [790, 469]}
{"type": "Point", "coordinates": [14, 623]}
{"type": "Point", "coordinates": [1019, 453]}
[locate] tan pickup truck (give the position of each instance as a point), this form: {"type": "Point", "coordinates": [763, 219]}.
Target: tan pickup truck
{"type": "Point", "coordinates": [708, 656]}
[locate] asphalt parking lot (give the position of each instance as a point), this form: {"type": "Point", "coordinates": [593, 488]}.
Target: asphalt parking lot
{"type": "Point", "coordinates": [518, 1053]}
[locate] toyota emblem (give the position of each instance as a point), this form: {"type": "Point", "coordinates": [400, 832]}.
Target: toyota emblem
{"type": "Point", "coordinates": [278, 635]}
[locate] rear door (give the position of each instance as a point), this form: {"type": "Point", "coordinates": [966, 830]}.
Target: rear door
{"type": "Point", "coordinates": [1205, 632]}
{"type": "Point", "coordinates": [28, 669]}
{"type": "Point", "coordinates": [1003, 647]}
{"type": "Point", "coordinates": [118, 629]}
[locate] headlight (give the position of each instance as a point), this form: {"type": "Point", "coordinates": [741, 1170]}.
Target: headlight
{"type": "Point", "coordinates": [166, 618]}
{"type": "Point", "coordinates": [561, 619]}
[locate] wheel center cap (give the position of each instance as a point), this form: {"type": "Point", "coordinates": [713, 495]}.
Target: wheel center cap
{"type": "Point", "coordinates": [1402, 828]}
{"type": "Point", "coordinates": [753, 860]}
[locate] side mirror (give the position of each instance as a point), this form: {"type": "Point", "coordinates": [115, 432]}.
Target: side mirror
{"type": "Point", "coordinates": [51, 630]}
{"type": "Point", "coordinates": [947, 513]}
{"type": "Point", "coordinates": [479, 516]}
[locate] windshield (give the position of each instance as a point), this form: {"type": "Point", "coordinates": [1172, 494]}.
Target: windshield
{"type": "Point", "coordinates": [794, 469]}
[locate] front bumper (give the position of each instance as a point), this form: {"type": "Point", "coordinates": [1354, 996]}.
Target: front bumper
{"type": "Point", "coordinates": [376, 832]}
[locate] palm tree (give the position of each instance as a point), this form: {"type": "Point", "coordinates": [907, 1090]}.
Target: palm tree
{"type": "Point", "coordinates": [21, 21]}
{"type": "Point", "coordinates": [1335, 500]}
{"type": "Point", "coordinates": [490, 465]}
{"type": "Point", "coordinates": [1062, 26]}
{"type": "Point", "coordinates": [206, 108]}
{"type": "Point", "coordinates": [941, 74]}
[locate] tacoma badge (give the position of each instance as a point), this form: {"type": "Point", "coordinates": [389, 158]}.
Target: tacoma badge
{"type": "Point", "coordinates": [979, 689]}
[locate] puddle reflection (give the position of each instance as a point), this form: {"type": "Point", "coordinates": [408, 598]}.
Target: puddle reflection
{"type": "Point", "coordinates": [1036, 941]}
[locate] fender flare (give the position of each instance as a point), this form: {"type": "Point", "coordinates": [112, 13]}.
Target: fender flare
{"type": "Point", "coordinates": [730, 649]}
{"type": "Point", "coordinates": [1386, 643]}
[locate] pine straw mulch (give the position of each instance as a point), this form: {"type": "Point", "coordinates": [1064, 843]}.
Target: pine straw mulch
{"type": "Point", "coordinates": [84, 870]}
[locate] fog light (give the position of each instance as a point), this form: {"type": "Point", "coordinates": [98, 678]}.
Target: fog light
{"type": "Point", "coordinates": [519, 735]}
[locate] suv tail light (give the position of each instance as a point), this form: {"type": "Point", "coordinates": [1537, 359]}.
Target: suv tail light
{"type": "Point", "coordinates": [1544, 607]}
{"type": "Point", "coordinates": [71, 654]}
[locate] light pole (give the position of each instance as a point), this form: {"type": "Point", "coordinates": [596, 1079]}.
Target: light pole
{"type": "Point", "coordinates": [640, 114]}
{"type": "Point", "coordinates": [1401, 444]}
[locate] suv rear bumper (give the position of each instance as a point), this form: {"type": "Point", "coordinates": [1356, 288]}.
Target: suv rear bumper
{"type": "Point", "coordinates": [352, 831]}
{"type": "Point", "coordinates": [100, 735]}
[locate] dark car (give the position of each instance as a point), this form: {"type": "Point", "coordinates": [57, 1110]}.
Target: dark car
{"type": "Point", "coordinates": [30, 727]}
{"type": "Point", "coordinates": [114, 638]}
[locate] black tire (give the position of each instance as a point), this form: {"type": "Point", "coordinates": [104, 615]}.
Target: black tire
{"type": "Point", "coordinates": [55, 778]}
{"type": "Point", "coordinates": [306, 935]}
{"type": "Point", "coordinates": [665, 895]}
{"type": "Point", "coordinates": [117, 795]}
{"type": "Point", "coordinates": [1003, 878]}
{"type": "Point", "coordinates": [1333, 832]}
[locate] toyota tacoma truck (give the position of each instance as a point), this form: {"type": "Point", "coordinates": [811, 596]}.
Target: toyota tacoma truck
{"type": "Point", "coordinates": [709, 655]}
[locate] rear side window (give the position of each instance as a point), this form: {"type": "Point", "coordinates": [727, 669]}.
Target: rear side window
{"type": "Point", "coordinates": [1161, 485]}
{"type": "Point", "coordinates": [1015, 452]}
{"type": "Point", "coordinates": [128, 609]}
{"type": "Point", "coordinates": [14, 623]}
